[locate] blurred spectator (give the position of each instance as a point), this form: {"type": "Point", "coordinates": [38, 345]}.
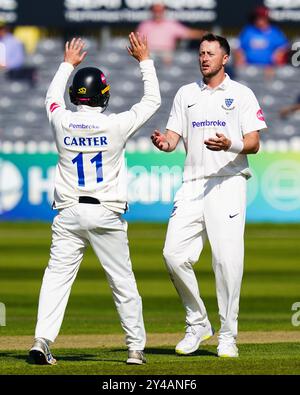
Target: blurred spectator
{"type": "Point", "coordinates": [163, 34]}
{"type": "Point", "coordinates": [288, 110]}
{"type": "Point", "coordinates": [261, 43]}
{"type": "Point", "coordinates": [14, 52]}
{"type": "Point", "coordinates": [29, 36]}
{"type": "Point", "coordinates": [13, 57]}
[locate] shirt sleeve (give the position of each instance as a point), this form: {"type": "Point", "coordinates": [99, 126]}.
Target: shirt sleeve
{"type": "Point", "coordinates": [243, 39]}
{"type": "Point", "coordinates": [180, 31]}
{"type": "Point", "coordinates": [252, 117]}
{"type": "Point", "coordinates": [130, 121]}
{"type": "Point", "coordinates": [55, 101]}
{"type": "Point", "coordinates": [142, 28]}
{"type": "Point", "coordinates": [15, 56]}
{"type": "Point", "coordinates": [177, 119]}
{"type": "Point", "coordinates": [280, 41]}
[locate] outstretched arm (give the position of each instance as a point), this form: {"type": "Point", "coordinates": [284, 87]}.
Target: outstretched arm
{"type": "Point", "coordinates": [73, 56]}
{"type": "Point", "coordinates": [130, 121]}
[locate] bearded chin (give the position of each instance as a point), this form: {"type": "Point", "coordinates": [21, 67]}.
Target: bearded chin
{"type": "Point", "coordinates": [213, 72]}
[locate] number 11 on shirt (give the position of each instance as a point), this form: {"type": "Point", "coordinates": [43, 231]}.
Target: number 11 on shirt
{"type": "Point", "coordinates": [78, 160]}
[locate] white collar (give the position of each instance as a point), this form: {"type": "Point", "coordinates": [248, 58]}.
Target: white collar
{"type": "Point", "coordinates": [84, 108]}
{"type": "Point", "coordinates": [222, 86]}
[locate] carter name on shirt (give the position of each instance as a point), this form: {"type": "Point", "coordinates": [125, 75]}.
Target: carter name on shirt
{"type": "Point", "coordinates": [86, 141]}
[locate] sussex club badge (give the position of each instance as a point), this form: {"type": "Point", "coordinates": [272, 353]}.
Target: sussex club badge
{"type": "Point", "coordinates": [228, 104]}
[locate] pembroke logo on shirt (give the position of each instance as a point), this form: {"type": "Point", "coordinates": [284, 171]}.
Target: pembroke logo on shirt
{"type": "Point", "coordinates": [202, 124]}
{"type": "Point", "coordinates": [228, 103]}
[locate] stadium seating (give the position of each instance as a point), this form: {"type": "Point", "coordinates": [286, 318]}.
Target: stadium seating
{"type": "Point", "coordinates": [23, 117]}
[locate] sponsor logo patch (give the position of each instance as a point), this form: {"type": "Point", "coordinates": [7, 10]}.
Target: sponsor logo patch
{"type": "Point", "coordinates": [173, 211]}
{"type": "Point", "coordinates": [54, 106]}
{"type": "Point", "coordinates": [260, 115]}
{"type": "Point", "coordinates": [83, 126]}
{"type": "Point", "coordinates": [103, 79]}
{"type": "Point", "coordinates": [202, 124]}
{"type": "Point", "coordinates": [233, 215]}
{"type": "Point", "coordinates": [82, 91]}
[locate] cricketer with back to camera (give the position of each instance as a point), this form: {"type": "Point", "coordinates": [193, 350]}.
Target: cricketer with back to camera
{"type": "Point", "coordinates": [90, 194]}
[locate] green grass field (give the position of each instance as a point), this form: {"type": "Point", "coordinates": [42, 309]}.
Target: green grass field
{"type": "Point", "coordinates": [271, 286]}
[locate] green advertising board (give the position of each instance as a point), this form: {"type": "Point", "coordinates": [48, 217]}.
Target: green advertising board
{"type": "Point", "coordinates": [26, 186]}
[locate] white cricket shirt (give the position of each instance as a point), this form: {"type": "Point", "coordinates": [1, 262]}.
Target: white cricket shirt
{"type": "Point", "coordinates": [91, 145]}
{"type": "Point", "coordinates": [199, 112]}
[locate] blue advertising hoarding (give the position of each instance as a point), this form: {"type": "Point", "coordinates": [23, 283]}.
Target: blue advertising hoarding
{"type": "Point", "coordinates": [26, 186]}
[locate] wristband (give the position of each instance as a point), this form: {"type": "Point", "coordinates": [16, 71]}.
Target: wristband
{"type": "Point", "coordinates": [236, 146]}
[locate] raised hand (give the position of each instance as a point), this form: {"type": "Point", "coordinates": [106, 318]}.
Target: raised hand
{"type": "Point", "coordinates": [74, 53]}
{"type": "Point", "coordinates": [138, 47]}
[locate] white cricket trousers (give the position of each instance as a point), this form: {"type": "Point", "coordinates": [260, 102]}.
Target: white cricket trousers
{"type": "Point", "coordinates": [72, 230]}
{"type": "Point", "coordinates": [212, 208]}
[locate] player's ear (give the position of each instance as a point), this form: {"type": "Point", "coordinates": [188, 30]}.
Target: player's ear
{"type": "Point", "coordinates": [225, 59]}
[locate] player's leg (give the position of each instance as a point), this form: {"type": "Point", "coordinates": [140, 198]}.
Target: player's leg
{"type": "Point", "coordinates": [110, 243]}
{"type": "Point", "coordinates": [224, 208]}
{"type": "Point", "coordinates": [184, 242]}
{"type": "Point", "coordinates": [67, 248]}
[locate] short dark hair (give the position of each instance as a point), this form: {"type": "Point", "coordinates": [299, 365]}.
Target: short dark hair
{"type": "Point", "coordinates": [221, 40]}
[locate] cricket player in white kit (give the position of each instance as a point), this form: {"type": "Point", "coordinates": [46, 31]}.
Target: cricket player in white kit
{"type": "Point", "coordinates": [90, 194]}
{"type": "Point", "coordinates": [219, 121]}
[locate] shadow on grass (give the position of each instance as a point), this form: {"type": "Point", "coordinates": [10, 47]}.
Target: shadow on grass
{"type": "Point", "coordinates": [71, 358]}
{"type": "Point", "coordinates": [159, 351]}
{"type": "Point", "coordinates": [171, 351]}
{"type": "Point", "coordinates": [13, 355]}
{"type": "Point", "coordinates": [94, 357]}
{"type": "Point", "coordinates": [85, 357]}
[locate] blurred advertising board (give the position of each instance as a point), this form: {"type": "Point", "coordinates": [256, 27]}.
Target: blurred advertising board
{"type": "Point", "coordinates": [26, 186]}
{"type": "Point", "coordinates": [61, 13]}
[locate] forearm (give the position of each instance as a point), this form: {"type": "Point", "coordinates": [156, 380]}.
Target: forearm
{"type": "Point", "coordinates": [151, 86]}
{"type": "Point", "coordinates": [141, 112]}
{"type": "Point", "coordinates": [195, 34]}
{"type": "Point", "coordinates": [250, 149]}
{"type": "Point", "coordinates": [250, 144]}
{"type": "Point", "coordinates": [245, 146]}
{"type": "Point", "coordinates": [240, 59]}
{"type": "Point", "coordinates": [139, 50]}
{"type": "Point", "coordinates": [292, 108]}
{"type": "Point", "coordinates": [56, 90]}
